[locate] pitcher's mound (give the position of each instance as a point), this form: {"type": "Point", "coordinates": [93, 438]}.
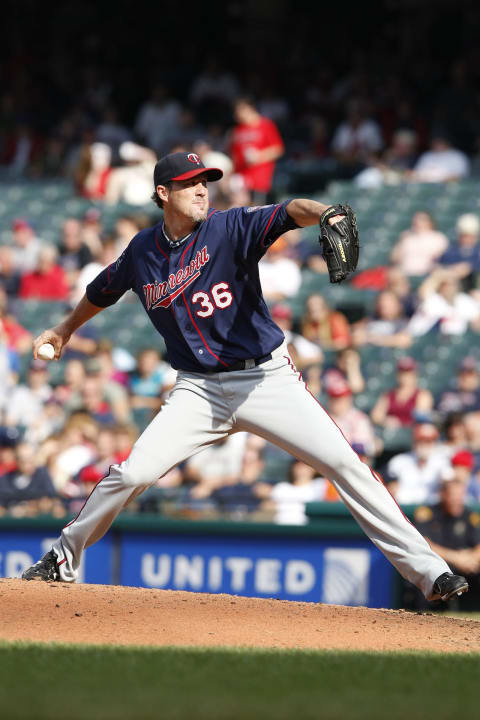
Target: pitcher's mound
{"type": "Point", "coordinates": [103, 614]}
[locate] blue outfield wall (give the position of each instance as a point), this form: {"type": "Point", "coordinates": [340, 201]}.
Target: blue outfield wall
{"type": "Point", "coordinates": [20, 549]}
{"type": "Point", "coordinates": [345, 572]}
{"type": "Point", "coordinates": [329, 561]}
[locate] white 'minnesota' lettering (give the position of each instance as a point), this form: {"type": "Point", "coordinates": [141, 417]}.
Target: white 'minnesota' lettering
{"type": "Point", "coordinates": [188, 572]}
{"type": "Point", "coordinates": [299, 577]}
{"type": "Point", "coordinates": [157, 290]}
{"type": "Point", "coordinates": [154, 291]}
{"type": "Point", "coordinates": [239, 567]}
{"type": "Point", "coordinates": [155, 571]}
{"type": "Point", "coordinates": [215, 573]}
{"type": "Point", "coordinates": [267, 575]}
{"type": "Point", "coordinates": [148, 292]}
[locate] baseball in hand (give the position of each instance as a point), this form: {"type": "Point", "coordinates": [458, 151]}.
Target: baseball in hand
{"type": "Point", "coordinates": [46, 352]}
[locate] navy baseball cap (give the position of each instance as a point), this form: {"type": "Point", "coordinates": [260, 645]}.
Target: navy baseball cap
{"type": "Point", "coordinates": [182, 166]}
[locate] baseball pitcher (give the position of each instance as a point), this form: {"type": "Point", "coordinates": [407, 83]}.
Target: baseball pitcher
{"type": "Point", "coordinates": [196, 274]}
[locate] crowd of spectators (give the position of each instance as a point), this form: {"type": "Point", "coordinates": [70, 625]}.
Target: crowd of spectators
{"type": "Point", "coordinates": [376, 123]}
{"type": "Point", "coordinates": [58, 438]}
{"type": "Point", "coordinates": [380, 118]}
{"type": "Point", "coordinates": [113, 163]}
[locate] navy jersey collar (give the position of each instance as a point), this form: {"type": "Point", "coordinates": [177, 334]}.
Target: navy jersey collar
{"type": "Point", "coordinates": [176, 243]}
{"type": "Point", "coordinates": [162, 242]}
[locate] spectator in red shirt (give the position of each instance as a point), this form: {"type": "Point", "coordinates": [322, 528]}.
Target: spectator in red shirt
{"type": "Point", "coordinates": [256, 145]}
{"type": "Point", "coordinates": [48, 280]}
{"type": "Point", "coordinates": [320, 324]}
{"type": "Point", "coordinates": [99, 170]}
{"type": "Point", "coordinates": [8, 441]}
{"type": "Point", "coordinates": [89, 476]}
{"type": "Point", "coordinates": [14, 335]}
{"type": "Point", "coordinates": [125, 438]}
{"type": "Point", "coordinates": [94, 402]}
{"type": "Point", "coordinates": [397, 407]}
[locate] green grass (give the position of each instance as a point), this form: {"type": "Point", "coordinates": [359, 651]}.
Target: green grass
{"type": "Point", "coordinates": [460, 614]}
{"type": "Point", "coordinates": [59, 681]}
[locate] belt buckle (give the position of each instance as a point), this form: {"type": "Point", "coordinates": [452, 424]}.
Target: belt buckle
{"type": "Point", "coordinates": [249, 364]}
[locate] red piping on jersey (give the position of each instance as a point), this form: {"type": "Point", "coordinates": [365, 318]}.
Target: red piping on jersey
{"type": "Point", "coordinates": [104, 289]}
{"type": "Point", "coordinates": [199, 332]}
{"type": "Point", "coordinates": [166, 302]}
{"type": "Point", "coordinates": [379, 479]}
{"type": "Point", "coordinates": [187, 306]}
{"type": "Point", "coordinates": [158, 245]}
{"type": "Point", "coordinates": [195, 237]}
{"type": "Point", "coordinates": [61, 562]}
{"type": "Point", "coordinates": [88, 498]}
{"type": "Point", "coordinates": [270, 221]}
{"type": "Point", "coordinates": [375, 475]}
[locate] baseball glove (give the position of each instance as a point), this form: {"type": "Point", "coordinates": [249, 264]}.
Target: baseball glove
{"type": "Point", "coordinates": [340, 242]}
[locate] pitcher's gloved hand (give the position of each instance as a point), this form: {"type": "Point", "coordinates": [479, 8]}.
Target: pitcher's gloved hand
{"type": "Point", "coordinates": [340, 242]}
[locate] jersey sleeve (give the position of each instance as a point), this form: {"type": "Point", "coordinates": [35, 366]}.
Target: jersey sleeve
{"type": "Point", "coordinates": [256, 228]}
{"type": "Point", "coordinates": [113, 281]}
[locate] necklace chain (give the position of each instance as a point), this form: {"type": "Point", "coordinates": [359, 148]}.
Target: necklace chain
{"type": "Point", "coordinates": [174, 243]}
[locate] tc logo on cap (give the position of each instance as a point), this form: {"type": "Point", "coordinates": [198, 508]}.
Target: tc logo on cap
{"type": "Point", "coordinates": [193, 158]}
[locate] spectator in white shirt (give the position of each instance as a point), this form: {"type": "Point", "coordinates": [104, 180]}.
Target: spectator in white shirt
{"type": "Point", "coordinates": [217, 465]}
{"type": "Point", "coordinates": [133, 182]}
{"type": "Point", "coordinates": [26, 402]}
{"type": "Point", "coordinates": [442, 163]}
{"type": "Point", "coordinates": [357, 137]}
{"type": "Point", "coordinates": [414, 476]}
{"type": "Point", "coordinates": [289, 499]}
{"type": "Point", "coordinates": [302, 350]}
{"type": "Point", "coordinates": [89, 272]}
{"type": "Point", "coordinates": [463, 257]}
{"type": "Point", "coordinates": [26, 246]}
{"type": "Point", "coordinates": [445, 306]}
{"type": "Point", "coordinates": [280, 276]}
{"type": "Point", "coordinates": [419, 247]}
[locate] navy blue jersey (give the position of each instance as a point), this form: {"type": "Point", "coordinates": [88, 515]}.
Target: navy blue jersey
{"type": "Point", "coordinates": [204, 297]}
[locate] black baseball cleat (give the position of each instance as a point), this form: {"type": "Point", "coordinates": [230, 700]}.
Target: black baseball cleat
{"type": "Point", "coordinates": [45, 569]}
{"type": "Point", "coordinates": [448, 585]}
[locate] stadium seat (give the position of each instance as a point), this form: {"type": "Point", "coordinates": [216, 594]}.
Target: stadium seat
{"type": "Point", "coordinates": [141, 417]}
{"type": "Point", "coordinates": [395, 440]}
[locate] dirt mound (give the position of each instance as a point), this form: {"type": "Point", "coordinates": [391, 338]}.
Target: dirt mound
{"type": "Point", "coordinates": [102, 614]}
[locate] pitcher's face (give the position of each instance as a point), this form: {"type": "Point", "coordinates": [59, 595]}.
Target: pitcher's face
{"type": "Point", "coordinates": [186, 198]}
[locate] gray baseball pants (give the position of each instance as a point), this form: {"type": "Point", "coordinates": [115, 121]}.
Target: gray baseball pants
{"type": "Point", "coordinates": [270, 400]}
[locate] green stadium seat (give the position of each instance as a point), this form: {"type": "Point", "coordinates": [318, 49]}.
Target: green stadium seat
{"type": "Point", "coordinates": [142, 417]}
{"type": "Point", "coordinates": [33, 314]}
{"type": "Point", "coordinates": [275, 469]}
{"type": "Point", "coordinates": [396, 440]}
{"type": "Point", "coordinates": [366, 400]}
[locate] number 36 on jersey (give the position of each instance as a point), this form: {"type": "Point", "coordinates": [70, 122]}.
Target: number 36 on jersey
{"type": "Point", "coordinates": [219, 298]}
